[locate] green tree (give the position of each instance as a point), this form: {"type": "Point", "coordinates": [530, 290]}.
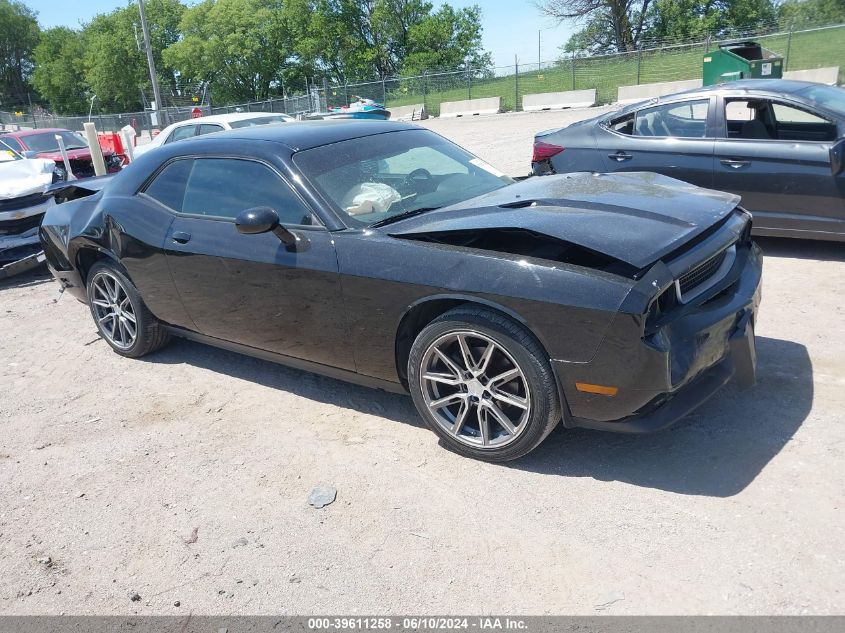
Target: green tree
{"type": "Point", "coordinates": [694, 20]}
{"type": "Point", "coordinates": [370, 39]}
{"type": "Point", "coordinates": [448, 39]}
{"type": "Point", "coordinates": [241, 46]}
{"type": "Point", "coordinates": [609, 25]}
{"type": "Point", "coordinates": [19, 35]}
{"type": "Point", "coordinates": [812, 12]}
{"type": "Point", "coordinates": [58, 76]}
{"type": "Point", "coordinates": [627, 25]}
{"type": "Point", "coordinates": [114, 67]}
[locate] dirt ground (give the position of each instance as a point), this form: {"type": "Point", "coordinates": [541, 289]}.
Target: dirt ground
{"type": "Point", "coordinates": [184, 477]}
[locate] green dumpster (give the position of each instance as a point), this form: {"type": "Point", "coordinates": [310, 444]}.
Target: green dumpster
{"type": "Point", "coordinates": [741, 60]}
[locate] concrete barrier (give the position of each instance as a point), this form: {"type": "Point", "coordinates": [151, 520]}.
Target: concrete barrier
{"type": "Point", "coordinates": [489, 105]}
{"type": "Point", "coordinates": [559, 100]}
{"type": "Point", "coordinates": [414, 112]}
{"type": "Point", "coordinates": [632, 94]}
{"type": "Point", "coordinates": [828, 75]}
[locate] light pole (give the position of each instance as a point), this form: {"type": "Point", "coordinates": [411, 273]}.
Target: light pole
{"type": "Point", "coordinates": [150, 61]}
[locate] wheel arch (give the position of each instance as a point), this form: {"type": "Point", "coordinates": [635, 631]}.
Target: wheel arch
{"type": "Point", "coordinates": [87, 256]}
{"type": "Point", "coordinates": [425, 310]}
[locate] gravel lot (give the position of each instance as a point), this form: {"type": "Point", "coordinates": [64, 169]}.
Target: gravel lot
{"type": "Point", "coordinates": [184, 477]}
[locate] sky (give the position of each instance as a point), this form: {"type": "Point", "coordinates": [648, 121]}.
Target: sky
{"type": "Point", "coordinates": [510, 26]}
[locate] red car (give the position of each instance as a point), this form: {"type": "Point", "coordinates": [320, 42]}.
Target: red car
{"type": "Point", "coordinates": [42, 144]}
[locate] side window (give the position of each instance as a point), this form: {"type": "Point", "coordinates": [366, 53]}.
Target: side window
{"type": "Point", "coordinates": [680, 120]}
{"type": "Point", "coordinates": [208, 128]}
{"type": "Point", "coordinates": [749, 119]}
{"type": "Point", "coordinates": [794, 124]}
{"type": "Point", "coordinates": [186, 131]}
{"type": "Point", "coordinates": [624, 124]}
{"type": "Point", "coordinates": [788, 114]}
{"type": "Point", "coordinates": [223, 187]}
{"type": "Point", "coordinates": [168, 188]}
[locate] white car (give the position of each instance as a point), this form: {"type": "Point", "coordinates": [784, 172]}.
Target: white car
{"type": "Point", "coordinates": [208, 124]}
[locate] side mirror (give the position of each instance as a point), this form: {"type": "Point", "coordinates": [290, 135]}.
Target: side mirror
{"type": "Point", "coordinates": [261, 220]}
{"type": "Point", "coordinates": [30, 154]}
{"type": "Point", "coordinates": [837, 157]}
{"type": "Point", "coordinates": [257, 220]}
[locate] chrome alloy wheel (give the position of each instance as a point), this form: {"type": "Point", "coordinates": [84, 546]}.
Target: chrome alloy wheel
{"type": "Point", "coordinates": [475, 389]}
{"type": "Point", "coordinates": [113, 310]}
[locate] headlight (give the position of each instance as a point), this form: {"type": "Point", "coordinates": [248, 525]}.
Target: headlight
{"type": "Point", "coordinates": [59, 174]}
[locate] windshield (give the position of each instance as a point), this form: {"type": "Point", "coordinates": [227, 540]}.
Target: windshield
{"type": "Point", "coordinates": [46, 142]}
{"type": "Point", "coordinates": [262, 120]}
{"type": "Point", "coordinates": [7, 154]}
{"type": "Point", "coordinates": [374, 178]}
{"type": "Point", "coordinates": [828, 97]}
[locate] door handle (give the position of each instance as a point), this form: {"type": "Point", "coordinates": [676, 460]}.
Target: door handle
{"type": "Point", "coordinates": [620, 156]}
{"type": "Point", "coordinates": [735, 163]}
{"type": "Point", "coordinates": [180, 237]}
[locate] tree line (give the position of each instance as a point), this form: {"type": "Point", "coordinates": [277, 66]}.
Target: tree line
{"type": "Point", "coordinates": [245, 49]}
{"type": "Point", "coordinates": [619, 26]}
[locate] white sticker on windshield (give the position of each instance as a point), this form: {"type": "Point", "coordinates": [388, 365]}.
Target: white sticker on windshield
{"type": "Point", "coordinates": [486, 167]}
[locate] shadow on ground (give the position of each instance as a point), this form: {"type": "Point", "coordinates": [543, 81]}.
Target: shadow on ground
{"type": "Point", "coordinates": [802, 249]}
{"type": "Point", "coordinates": [301, 383]}
{"type": "Point", "coordinates": [717, 451]}
{"type": "Point", "coordinates": [29, 278]}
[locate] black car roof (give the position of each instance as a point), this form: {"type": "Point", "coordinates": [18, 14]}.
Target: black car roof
{"type": "Point", "coordinates": [301, 135]}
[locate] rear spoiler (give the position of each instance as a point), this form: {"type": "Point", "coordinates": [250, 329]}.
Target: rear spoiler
{"type": "Point", "coordinates": [73, 189]}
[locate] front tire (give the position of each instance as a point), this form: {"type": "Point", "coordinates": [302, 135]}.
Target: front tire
{"type": "Point", "coordinates": [483, 384]}
{"type": "Point", "coordinates": [119, 313]}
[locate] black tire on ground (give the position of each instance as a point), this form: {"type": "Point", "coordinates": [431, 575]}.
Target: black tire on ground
{"type": "Point", "coordinates": [150, 336]}
{"type": "Point", "coordinates": [544, 411]}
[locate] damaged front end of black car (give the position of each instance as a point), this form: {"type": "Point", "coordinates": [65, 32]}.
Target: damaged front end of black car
{"type": "Point", "coordinates": [20, 219]}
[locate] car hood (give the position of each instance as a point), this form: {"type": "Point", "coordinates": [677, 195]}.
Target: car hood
{"type": "Point", "coordinates": [25, 177]}
{"type": "Point", "coordinates": [636, 218]}
{"type": "Point", "coordinates": [72, 154]}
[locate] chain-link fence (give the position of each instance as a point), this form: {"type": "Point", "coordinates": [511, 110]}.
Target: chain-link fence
{"type": "Point", "coordinates": [804, 49]}
{"type": "Point", "coordinates": [147, 121]}
{"type": "Point", "coordinates": [605, 73]}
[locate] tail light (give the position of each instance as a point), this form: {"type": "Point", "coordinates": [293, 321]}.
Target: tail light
{"type": "Point", "coordinates": [544, 151]}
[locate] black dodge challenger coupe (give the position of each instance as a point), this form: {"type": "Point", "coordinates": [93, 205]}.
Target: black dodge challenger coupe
{"type": "Point", "coordinates": [381, 253]}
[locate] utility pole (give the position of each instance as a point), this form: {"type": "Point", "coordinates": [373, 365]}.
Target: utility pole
{"type": "Point", "coordinates": [150, 61]}
{"type": "Point", "coordinates": [538, 50]}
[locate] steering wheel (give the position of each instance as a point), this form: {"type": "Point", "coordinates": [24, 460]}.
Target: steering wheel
{"type": "Point", "coordinates": [416, 177]}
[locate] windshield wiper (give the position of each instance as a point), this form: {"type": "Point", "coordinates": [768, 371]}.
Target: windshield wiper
{"type": "Point", "coordinates": [402, 216]}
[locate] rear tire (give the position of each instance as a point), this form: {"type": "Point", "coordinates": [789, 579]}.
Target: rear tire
{"type": "Point", "coordinates": [120, 314]}
{"type": "Point", "coordinates": [483, 384]}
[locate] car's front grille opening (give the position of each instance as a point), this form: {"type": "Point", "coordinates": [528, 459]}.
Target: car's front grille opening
{"type": "Point", "coordinates": [20, 225]}
{"type": "Point", "coordinates": [705, 275]}
{"type": "Point", "coordinates": [15, 204]}
{"type": "Point", "coordinates": [700, 273]}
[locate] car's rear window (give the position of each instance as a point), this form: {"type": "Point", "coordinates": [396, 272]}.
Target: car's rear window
{"type": "Point", "coordinates": [262, 120]}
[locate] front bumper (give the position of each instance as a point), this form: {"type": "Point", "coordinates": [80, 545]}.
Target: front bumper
{"type": "Point", "coordinates": [20, 248]}
{"type": "Point", "coordinates": [664, 376]}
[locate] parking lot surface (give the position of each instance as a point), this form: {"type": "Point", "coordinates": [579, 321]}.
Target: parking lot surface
{"type": "Point", "coordinates": [131, 485]}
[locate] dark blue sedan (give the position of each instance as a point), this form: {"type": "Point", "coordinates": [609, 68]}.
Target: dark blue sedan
{"type": "Point", "coordinates": [778, 144]}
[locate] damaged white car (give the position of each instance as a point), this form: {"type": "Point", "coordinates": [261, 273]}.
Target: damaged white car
{"type": "Point", "coordinates": [23, 201]}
